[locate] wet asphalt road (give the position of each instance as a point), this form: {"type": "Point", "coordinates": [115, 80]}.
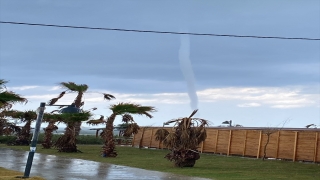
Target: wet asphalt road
{"type": "Point", "coordinates": [61, 168]}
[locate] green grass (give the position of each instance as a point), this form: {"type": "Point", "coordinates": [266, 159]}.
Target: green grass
{"type": "Point", "coordinates": [208, 166]}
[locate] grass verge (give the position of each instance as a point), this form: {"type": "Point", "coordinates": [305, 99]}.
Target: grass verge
{"type": "Point", "coordinates": [208, 166]}
{"type": "Point", "coordinates": [6, 174]}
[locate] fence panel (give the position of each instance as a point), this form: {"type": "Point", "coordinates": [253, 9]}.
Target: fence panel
{"type": "Point", "coordinates": [271, 147]}
{"type": "Point", "coordinates": [252, 143]}
{"type": "Point", "coordinates": [305, 149]}
{"type": "Point", "coordinates": [211, 141]}
{"type": "Point", "coordinates": [292, 144]}
{"type": "Point", "coordinates": [223, 141]}
{"type": "Point", "coordinates": [237, 142]}
{"type": "Point", "coordinates": [286, 144]}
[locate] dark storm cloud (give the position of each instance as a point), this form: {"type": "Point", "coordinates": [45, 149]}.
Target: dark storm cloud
{"type": "Point", "coordinates": [51, 55]}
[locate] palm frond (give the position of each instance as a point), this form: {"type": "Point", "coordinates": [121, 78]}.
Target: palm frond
{"type": "Point", "coordinates": [131, 129]}
{"type": "Point", "coordinates": [97, 121]}
{"type": "Point", "coordinates": [171, 140]}
{"type": "Point", "coordinates": [108, 96]}
{"type": "Point", "coordinates": [126, 118]}
{"type": "Point", "coordinates": [71, 86]}
{"type": "Point", "coordinates": [161, 134]}
{"type": "Point", "coordinates": [9, 97]}
{"type": "Point", "coordinates": [54, 100]}
{"type": "Point", "coordinates": [122, 108]}
{"type": "Point", "coordinates": [193, 113]}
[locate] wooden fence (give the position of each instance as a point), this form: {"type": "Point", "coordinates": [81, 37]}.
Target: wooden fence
{"type": "Point", "coordinates": [299, 144]}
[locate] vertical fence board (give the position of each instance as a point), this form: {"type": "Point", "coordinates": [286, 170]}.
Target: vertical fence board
{"type": "Point", "coordinates": [216, 145]}
{"type": "Point", "coordinates": [259, 144]}
{"type": "Point", "coordinates": [202, 143]}
{"type": "Point", "coordinates": [244, 143]}
{"type": "Point", "coordinates": [151, 138]}
{"type": "Point", "coordinates": [277, 150]}
{"type": "Point", "coordinates": [229, 143]}
{"type": "Point", "coordinates": [141, 138]}
{"type": "Point", "coordinates": [137, 139]}
{"type": "Point", "coordinates": [316, 149]}
{"type": "Point", "coordinates": [295, 146]}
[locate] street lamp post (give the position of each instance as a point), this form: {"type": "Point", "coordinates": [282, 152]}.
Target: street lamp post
{"type": "Point", "coordinates": [70, 109]}
{"type": "Point", "coordinates": [34, 140]}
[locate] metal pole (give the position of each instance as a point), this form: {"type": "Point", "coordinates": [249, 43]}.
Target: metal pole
{"type": "Point", "coordinates": [34, 141]}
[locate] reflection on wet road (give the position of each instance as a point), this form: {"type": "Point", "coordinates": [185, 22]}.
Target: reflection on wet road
{"type": "Point", "coordinates": [61, 168]}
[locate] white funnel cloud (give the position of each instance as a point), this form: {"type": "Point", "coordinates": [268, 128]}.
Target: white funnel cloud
{"type": "Point", "coordinates": [186, 68]}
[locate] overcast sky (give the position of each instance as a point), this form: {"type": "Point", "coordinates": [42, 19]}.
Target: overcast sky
{"type": "Point", "coordinates": [254, 82]}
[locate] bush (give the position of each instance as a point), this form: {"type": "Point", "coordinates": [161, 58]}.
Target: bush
{"type": "Point", "coordinates": [88, 139]}
{"type": "Point", "coordinates": [7, 139]}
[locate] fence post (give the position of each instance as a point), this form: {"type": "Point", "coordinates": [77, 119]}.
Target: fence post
{"type": "Point", "coordinates": [295, 146]}
{"type": "Point", "coordinates": [259, 146]}
{"type": "Point", "coordinates": [202, 146]}
{"type": "Point", "coordinates": [229, 144]}
{"type": "Point", "coordinates": [141, 138]}
{"type": "Point", "coordinates": [316, 148]}
{"type": "Point", "coordinates": [277, 147]}
{"type": "Point", "coordinates": [245, 142]}
{"type": "Point", "coordinates": [215, 151]}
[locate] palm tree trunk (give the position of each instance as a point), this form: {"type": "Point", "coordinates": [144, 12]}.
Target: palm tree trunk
{"type": "Point", "coordinates": [67, 142]}
{"type": "Point", "coordinates": [47, 143]}
{"type": "Point", "coordinates": [108, 150]}
{"type": "Point", "coordinates": [24, 135]}
{"type": "Point", "coordinates": [77, 102]}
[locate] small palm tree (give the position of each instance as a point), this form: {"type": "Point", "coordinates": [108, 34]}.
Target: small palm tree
{"type": "Point", "coordinates": [24, 134]}
{"type": "Point", "coordinates": [8, 128]}
{"type": "Point", "coordinates": [125, 110]}
{"type": "Point", "coordinates": [7, 99]}
{"type": "Point", "coordinates": [184, 139]}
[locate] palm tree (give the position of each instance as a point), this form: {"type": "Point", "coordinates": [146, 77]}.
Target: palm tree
{"type": "Point", "coordinates": [80, 89]}
{"type": "Point", "coordinates": [125, 110]}
{"type": "Point", "coordinates": [67, 142]}
{"type": "Point", "coordinates": [72, 87]}
{"type": "Point", "coordinates": [184, 139]}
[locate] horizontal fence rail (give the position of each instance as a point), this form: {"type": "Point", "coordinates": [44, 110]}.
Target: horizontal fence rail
{"type": "Point", "coordinates": [296, 144]}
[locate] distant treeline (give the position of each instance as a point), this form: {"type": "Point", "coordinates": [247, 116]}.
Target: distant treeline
{"type": "Point", "coordinates": [81, 139]}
